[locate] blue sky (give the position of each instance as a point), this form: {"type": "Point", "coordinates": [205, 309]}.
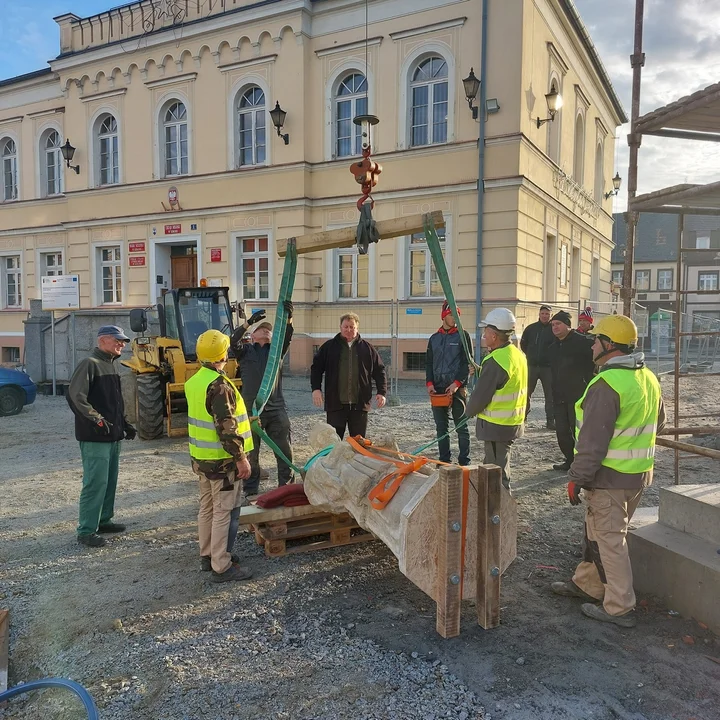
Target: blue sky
{"type": "Point", "coordinates": [681, 42]}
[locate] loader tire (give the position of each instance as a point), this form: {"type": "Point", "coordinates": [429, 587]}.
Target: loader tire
{"type": "Point", "coordinates": [150, 406]}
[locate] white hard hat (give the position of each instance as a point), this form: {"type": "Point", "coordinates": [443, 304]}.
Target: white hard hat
{"type": "Point", "coordinates": [500, 319]}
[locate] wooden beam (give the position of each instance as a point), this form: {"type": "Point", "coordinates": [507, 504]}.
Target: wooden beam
{"type": "Point", "coordinates": [449, 566]}
{"type": "Point", "coordinates": [487, 594]}
{"type": "Point", "coordinates": [345, 237]}
{"type": "Point", "coordinates": [704, 430]}
{"type": "Point", "coordinates": [689, 447]}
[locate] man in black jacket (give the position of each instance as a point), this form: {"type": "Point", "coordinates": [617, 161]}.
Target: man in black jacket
{"type": "Point", "coordinates": [350, 365]}
{"type": "Point", "coordinates": [252, 360]}
{"type": "Point", "coordinates": [571, 362]}
{"type": "Point", "coordinates": [446, 374]}
{"type": "Point", "coordinates": [96, 400]}
{"type": "Point", "coordinates": [535, 343]}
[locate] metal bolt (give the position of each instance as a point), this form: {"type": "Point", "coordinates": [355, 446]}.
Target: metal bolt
{"type": "Point", "coordinates": [495, 571]}
{"type": "Point", "coordinates": [454, 579]}
{"type": "Point", "coordinates": [495, 519]}
{"type": "Point", "coordinates": [455, 527]}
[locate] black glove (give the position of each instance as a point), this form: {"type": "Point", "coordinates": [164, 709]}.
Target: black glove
{"type": "Point", "coordinates": [289, 308]}
{"type": "Point", "coordinates": [237, 336]}
{"type": "Point", "coordinates": [256, 317]}
{"type": "Point", "coordinates": [130, 432]}
{"type": "Point", "coordinates": [102, 426]}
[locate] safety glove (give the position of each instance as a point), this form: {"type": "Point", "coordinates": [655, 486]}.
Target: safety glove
{"type": "Point", "coordinates": [256, 317]}
{"type": "Point", "coordinates": [130, 432]}
{"type": "Point", "coordinates": [573, 491]}
{"type": "Point", "coordinates": [289, 308]}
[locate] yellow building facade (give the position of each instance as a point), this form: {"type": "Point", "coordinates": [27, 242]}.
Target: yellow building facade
{"type": "Point", "coordinates": [182, 174]}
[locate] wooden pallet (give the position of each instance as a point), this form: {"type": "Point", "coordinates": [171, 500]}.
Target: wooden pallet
{"type": "Point", "coordinates": [275, 534]}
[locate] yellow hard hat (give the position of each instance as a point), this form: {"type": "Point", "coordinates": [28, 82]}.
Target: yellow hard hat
{"type": "Point", "coordinates": [619, 329]}
{"type": "Point", "coordinates": [212, 346]}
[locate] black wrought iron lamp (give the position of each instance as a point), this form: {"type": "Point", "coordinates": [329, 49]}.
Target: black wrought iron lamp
{"type": "Point", "coordinates": [554, 103]}
{"type": "Point", "coordinates": [471, 85]}
{"type": "Point", "coordinates": [68, 151]}
{"type": "Point", "coordinates": [277, 114]}
{"type": "Point", "coordinates": [616, 181]}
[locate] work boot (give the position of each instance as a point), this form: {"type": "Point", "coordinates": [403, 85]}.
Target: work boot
{"type": "Point", "coordinates": [563, 466]}
{"type": "Point", "coordinates": [91, 540]}
{"type": "Point", "coordinates": [570, 589]}
{"type": "Point", "coordinates": [206, 562]}
{"type": "Point", "coordinates": [596, 612]}
{"type": "Point", "coordinates": [111, 527]}
{"type": "Point", "coordinates": [234, 572]}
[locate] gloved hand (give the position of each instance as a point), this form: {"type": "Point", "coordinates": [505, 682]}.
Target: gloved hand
{"type": "Point", "coordinates": [237, 336]}
{"type": "Point", "coordinates": [256, 317]}
{"type": "Point", "coordinates": [102, 426]}
{"type": "Point", "coordinates": [289, 308]}
{"type": "Point", "coordinates": [573, 492]}
{"type": "Point", "coordinates": [130, 432]}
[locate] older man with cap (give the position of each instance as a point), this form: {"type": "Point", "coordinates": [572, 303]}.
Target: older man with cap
{"type": "Point", "coordinates": [500, 394]}
{"type": "Point", "coordinates": [95, 397]}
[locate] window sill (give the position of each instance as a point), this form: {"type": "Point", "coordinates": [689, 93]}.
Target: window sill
{"type": "Point", "coordinates": [13, 308]}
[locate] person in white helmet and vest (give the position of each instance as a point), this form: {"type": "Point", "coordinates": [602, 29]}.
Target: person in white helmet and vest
{"type": "Point", "coordinates": [500, 396]}
{"type": "Point", "coordinates": [618, 419]}
{"type": "Point", "coordinates": [219, 440]}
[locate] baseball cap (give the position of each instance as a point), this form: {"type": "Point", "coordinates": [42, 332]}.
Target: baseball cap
{"type": "Point", "coordinates": [113, 331]}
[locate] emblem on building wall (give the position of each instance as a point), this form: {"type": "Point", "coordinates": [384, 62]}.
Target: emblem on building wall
{"type": "Point", "coordinates": [173, 200]}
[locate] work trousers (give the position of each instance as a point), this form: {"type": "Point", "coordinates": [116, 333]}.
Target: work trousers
{"type": "Point", "coordinates": [276, 425]}
{"type": "Point", "coordinates": [544, 375]}
{"type": "Point", "coordinates": [350, 416]}
{"type": "Point", "coordinates": [218, 499]}
{"type": "Point", "coordinates": [605, 572]}
{"type": "Point", "coordinates": [101, 463]}
{"type": "Point", "coordinates": [498, 453]}
{"type": "Point", "coordinates": [565, 429]}
{"type": "Point", "coordinates": [441, 415]}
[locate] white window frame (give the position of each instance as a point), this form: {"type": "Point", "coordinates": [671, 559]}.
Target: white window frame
{"type": "Point", "coordinates": [429, 268]}
{"type": "Point", "coordinates": [353, 99]}
{"type": "Point", "coordinates": [43, 157]}
{"type": "Point", "coordinates": [702, 242]}
{"type": "Point", "coordinates": [97, 122]}
{"type": "Point", "coordinates": [599, 179]}
{"type": "Point", "coordinates": [554, 128]}
{"type": "Point", "coordinates": [431, 85]}
{"type": "Point", "coordinates": [410, 64]}
{"type": "Point", "coordinates": [355, 255]}
{"type": "Point", "coordinates": [4, 256]}
{"type": "Point", "coordinates": [162, 126]}
{"type": "Point", "coordinates": [253, 115]}
{"type": "Point", "coordinates": [98, 289]}
{"type": "Point", "coordinates": [619, 275]}
{"type": "Point", "coordinates": [579, 147]}
{"type": "Point", "coordinates": [711, 275]}
{"type": "Point", "coordinates": [646, 272]}
{"type": "Point", "coordinates": [14, 161]}
{"type": "Point", "coordinates": [47, 271]}
{"type": "Point", "coordinates": [672, 279]}
{"type": "Point", "coordinates": [234, 96]}
{"type": "Point", "coordinates": [255, 255]}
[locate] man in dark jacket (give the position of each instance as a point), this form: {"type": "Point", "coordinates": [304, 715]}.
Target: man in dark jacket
{"type": "Point", "coordinates": [535, 343]}
{"type": "Point", "coordinates": [350, 365]}
{"type": "Point", "coordinates": [571, 363]}
{"type": "Point", "coordinates": [446, 374]}
{"type": "Point", "coordinates": [252, 359]}
{"type": "Point", "coordinates": [95, 398]}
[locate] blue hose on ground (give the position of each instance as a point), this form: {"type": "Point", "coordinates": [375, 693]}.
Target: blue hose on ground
{"type": "Point", "coordinates": [78, 689]}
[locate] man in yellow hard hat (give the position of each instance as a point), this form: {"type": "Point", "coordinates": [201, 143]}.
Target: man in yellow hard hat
{"type": "Point", "coordinates": [618, 419]}
{"type": "Point", "coordinates": [219, 440]}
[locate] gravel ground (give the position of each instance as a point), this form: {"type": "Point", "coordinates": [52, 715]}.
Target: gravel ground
{"type": "Point", "coordinates": [325, 635]}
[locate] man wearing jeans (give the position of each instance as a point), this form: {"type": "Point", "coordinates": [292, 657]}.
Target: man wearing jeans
{"type": "Point", "coordinates": [446, 375]}
{"type": "Point", "coordinates": [95, 398]}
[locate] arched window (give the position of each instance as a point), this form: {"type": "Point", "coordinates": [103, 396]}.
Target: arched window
{"type": "Point", "coordinates": [599, 175]}
{"type": "Point", "coordinates": [51, 163]}
{"type": "Point", "coordinates": [579, 154]}
{"type": "Point", "coordinates": [175, 139]}
{"type": "Point", "coordinates": [8, 153]}
{"type": "Point", "coordinates": [251, 127]}
{"type": "Point", "coordinates": [350, 101]}
{"type": "Point", "coordinates": [108, 155]}
{"type": "Point", "coordinates": [553, 128]}
{"type": "Point", "coordinates": [429, 102]}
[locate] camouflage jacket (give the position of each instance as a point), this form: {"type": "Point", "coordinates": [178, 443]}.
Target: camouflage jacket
{"type": "Point", "coordinates": [221, 404]}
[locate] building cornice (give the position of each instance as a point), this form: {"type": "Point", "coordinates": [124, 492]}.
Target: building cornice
{"type": "Point", "coordinates": [423, 29]}
{"type": "Point", "coordinates": [185, 77]}
{"type": "Point", "coordinates": [264, 59]}
{"type": "Point", "coordinates": [103, 95]}
{"type": "Point", "coordinates": [43, 113]}
{"type": "Point", "coordinates": [11, 120]}
{"type": "Point", "coordinates": [345, 47]}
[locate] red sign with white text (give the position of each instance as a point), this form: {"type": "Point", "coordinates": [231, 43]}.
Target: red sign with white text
{"type": "Point", "coordinates": [138, 261]}
{"type": "Point", "coordinates": [215, 254]}
{"type": "Point", "coordinates": [136, 246]}
{"type": "Point", "coordinates": [174, 229]}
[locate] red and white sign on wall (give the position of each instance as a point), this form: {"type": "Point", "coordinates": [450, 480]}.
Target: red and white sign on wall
{"type": "Point", "coordinates": [136, 246]}
{"type": "Point", "coordinates": [137, 261]}
{"type": "Point", "coordinates": [215, 254]}
{"type": "Point", "coordinates": [174, 229]}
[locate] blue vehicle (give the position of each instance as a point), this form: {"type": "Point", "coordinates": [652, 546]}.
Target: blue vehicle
{"type": "Point", "coordinates": [16, 390]}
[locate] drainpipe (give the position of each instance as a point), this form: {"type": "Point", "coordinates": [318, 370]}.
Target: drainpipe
{"type": "Point", "coordinates": [481, 177]}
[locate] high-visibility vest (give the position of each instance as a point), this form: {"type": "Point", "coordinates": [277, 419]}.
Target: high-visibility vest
{"type": "Point", "coordinates": [204, 441]}
{"type": "Point", "coordinates": [507, 406]}
{"type": "Point", "coordinates": [632, 446]}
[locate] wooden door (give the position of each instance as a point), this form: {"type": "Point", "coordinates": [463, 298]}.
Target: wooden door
{"type": "Point", "coordinates": [184, 271]}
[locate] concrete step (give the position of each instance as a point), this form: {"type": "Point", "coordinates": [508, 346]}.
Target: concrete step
{"type": "Point", "coordinates": [681, 569]}
{"type": "Point", "coordinates": [693, 509]}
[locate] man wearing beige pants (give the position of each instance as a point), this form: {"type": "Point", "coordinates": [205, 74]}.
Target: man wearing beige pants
{"type": "Point", "coordinates": [618, 419]}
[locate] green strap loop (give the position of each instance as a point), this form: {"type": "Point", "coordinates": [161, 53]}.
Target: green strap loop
{"type": "Point", "coordinates": [255, 425]}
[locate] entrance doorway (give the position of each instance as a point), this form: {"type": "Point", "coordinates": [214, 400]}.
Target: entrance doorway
{"type": "Point", "coordinates": [174, 263]}
{"type": "Point", "coordinates": [183, 266]}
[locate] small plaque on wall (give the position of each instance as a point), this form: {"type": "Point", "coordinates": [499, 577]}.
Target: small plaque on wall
{"type": "Point", "coordinates": [215, 254]}
{"type": "Point", "coordinates": [137, 261]}
{"type": "Point", "coordinates": [134, 247]}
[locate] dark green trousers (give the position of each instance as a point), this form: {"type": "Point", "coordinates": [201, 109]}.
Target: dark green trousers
{"type": "Point", "coordinates": [101, 461]}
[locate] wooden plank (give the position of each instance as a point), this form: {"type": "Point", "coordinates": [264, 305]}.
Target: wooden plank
{"type": "Point", "coordinates": [345, 237]}
{"type": "Point", "coordinates": [278, 548]}
{"type": "Point", "coordinates": [487, 598]}
{"type": "Point", "coordinates": [447, 594]}
{"type": "Point", "coordinates": [4, 649]}
{"type": "Point", "coordinates": [689, 447]}
{"type": "Point", "coordinates": [254, 515]}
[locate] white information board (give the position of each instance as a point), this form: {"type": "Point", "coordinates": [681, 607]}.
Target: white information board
{"type": "Point", "coordinates": [61, 292]}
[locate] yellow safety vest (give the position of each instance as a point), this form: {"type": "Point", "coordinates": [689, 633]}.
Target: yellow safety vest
{"type": "Point", "coordinates": [204, 441]}
{"type": "Point", "coordinates": [507, 406]}
{"type": "Point", "coordinates": [632, 447]}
